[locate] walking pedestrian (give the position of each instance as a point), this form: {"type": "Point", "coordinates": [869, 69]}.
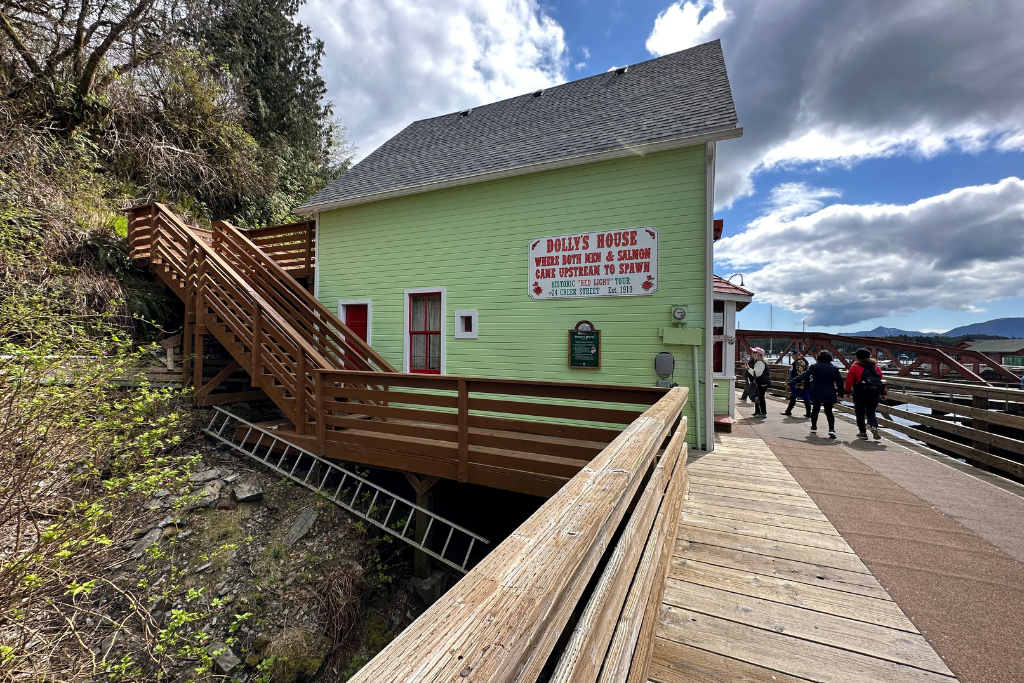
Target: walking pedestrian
{"type": "Point", "coordinates": [801, 390]}
{"type": "Point", "coordinates": [864, 380]}
{"type": "Point", "coordinates": [760, 377]}
{"type": "Point", "coordinates": [826, 388]}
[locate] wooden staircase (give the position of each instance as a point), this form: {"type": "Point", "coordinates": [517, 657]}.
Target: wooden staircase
{"type": "Point", "coordinates": [268, 322]}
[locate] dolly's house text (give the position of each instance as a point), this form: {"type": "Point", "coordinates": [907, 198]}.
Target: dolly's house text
{"type": "Point", "coordinates": [613, 263]}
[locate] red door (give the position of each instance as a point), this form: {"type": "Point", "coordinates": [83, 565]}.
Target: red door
{"type": "Point", "coordinates": [425, 333]}
{"type": "Point", "coordinates": [357, 318]}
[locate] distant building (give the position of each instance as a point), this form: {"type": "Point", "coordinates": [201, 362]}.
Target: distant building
{"type": "Point", "coordinates": [999, 350]}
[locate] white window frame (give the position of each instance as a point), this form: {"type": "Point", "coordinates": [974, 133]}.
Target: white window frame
{"type": "Point", "coordinates": [406, 353]}
{"type": "Point", "coordinates": [466, 313]}
{"type": "Point", "coordinates": [729, 331]}
{"type": "Point", "coordinates": [369, 315]}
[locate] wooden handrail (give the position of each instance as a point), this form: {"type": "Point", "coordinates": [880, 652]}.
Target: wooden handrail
{"type": "Point", "coordinates": [549, 389]}
{"type": "Point", "coordinates": [231, 274]}
{"type": "Point", "coordinates": [503, 619]}
{"type": "Point", "coordinates": [318, 314]}
{"type": "Point", "coordinates": [463, 427]}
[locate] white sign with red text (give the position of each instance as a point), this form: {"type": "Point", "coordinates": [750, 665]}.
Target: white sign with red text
{"type": "Point", "coordinates": [608, 263]}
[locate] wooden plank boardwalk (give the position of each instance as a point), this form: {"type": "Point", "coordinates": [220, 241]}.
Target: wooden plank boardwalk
{"type": "Point", "coordinates": [763, 588]}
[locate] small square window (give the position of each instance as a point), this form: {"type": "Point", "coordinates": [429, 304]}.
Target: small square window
{"type": "Point", "coordinates": [466, 324]}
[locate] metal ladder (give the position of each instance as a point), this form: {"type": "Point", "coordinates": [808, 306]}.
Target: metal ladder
{"type": "Point", "coordinates": [344, 495]}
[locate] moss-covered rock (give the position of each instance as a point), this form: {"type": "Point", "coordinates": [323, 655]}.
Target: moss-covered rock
{"type": "Point", "coordinates": [298, 655]}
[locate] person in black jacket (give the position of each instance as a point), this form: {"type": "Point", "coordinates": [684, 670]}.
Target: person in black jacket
{"type": "Point", "coordinates": [826, 388]}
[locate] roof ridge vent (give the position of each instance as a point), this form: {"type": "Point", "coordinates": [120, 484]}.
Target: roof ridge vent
{"type": "Point", "coordinates": [621, 70]}
{"type": "Point", "coordinates": [538, 93]}
{"type": "Point", "coordinates": [465, 112]}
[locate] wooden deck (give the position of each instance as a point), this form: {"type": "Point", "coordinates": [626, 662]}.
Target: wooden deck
{"type": "Point", "coordinates": [763, 588]}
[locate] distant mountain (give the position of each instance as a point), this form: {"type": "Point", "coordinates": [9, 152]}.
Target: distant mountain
{"type": "Point", "coordinates": [887, 332]}
{"type": "Point", "coordinates": [1000, 327]}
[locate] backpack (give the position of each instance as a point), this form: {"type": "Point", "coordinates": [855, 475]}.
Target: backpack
{"type": "Point", "coordinates": [871, 382]}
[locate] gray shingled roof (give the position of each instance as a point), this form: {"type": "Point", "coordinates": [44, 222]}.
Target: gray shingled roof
{"type": "Point", "coordinates": [679, 95]}
{"type": "Point", "coordinates": [997, 345]}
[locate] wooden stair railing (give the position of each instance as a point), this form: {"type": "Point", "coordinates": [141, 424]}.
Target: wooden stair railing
{"type": "Point", "coordinates": [319, 327]}
{"type": "Point", "coordinates": [220, 301]}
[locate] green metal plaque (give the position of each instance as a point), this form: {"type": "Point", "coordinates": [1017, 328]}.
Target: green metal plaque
{"type": "Point", "coordinates": [585, 346]}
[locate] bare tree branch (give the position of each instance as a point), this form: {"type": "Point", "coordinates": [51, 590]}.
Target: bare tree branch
{"type": "Point", "coordinates": [96, 58]}
{"type": "Point", "coordinates": [29, 60]}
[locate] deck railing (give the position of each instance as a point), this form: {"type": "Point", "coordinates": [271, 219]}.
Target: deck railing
{"type": "Point", "coordinates": [507, 619]}
{"type": "Point", "coordinates": [529, 436]}
{"type": "Point", "coordinates": [291, 246]}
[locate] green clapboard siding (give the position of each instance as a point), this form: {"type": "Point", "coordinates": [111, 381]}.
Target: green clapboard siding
{"type": "Point", "coordinates": [473, 241]}
{"type": "Point", "coordinates": [722, 397]}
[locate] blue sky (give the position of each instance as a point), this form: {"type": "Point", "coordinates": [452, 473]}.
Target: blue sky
{"type": "Point", "coordinates": [878, 179]}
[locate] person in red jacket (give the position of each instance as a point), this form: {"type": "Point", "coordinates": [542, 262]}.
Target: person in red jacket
{"type": "Point", "coordinates": [864, 380]}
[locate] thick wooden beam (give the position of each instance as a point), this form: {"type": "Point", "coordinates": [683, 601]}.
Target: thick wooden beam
{"type": "Point", "coordinates": [216, 381]}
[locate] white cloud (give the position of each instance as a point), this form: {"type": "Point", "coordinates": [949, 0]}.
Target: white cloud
{"type": "Point", "coordinates": [686, 23]}
{"type": "Point", "coordinates": [391, 62]}
{"type": "Point", "coordinates": [824, 82]}
{"type": "Point", "coordinates": [842, 263]}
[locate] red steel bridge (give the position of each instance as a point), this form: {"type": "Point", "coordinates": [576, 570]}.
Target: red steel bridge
{"type": "Point", "coordinates": [929, 360]}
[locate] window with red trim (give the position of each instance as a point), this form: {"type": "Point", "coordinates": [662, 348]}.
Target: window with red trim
{"type": "Point", "coordinates": [425, 333]}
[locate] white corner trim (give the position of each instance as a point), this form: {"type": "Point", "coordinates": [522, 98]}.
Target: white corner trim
{"type": "Point", "coordinates": [709, 353]}
{"type": "Point", "coordinates": [369, 315]}
{"type": "Point", "coordinates": [316, 258]}
{"type": "Point", "coordinates": [617, 153]}
{"type": "Point", "coordinates": [444, 324]}
{"type": "Point", "coordinates": [466, 313]}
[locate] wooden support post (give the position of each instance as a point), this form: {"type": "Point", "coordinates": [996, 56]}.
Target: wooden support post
{"type": "Point", "coordinates": [257, 344]}
{"type": "Point", "coordinates": [197, 365]}
{"type": "Point", "coordinates": [321, 422]}
{"type": "Point", "coordinates": [463, 432]}
{"type": "Point", "coordinates": [981, 403]}
{"type": "Point", "coordinates": [422, 562]}
{"type": "Point", "coordinates": [187, 344]}
{"type": "Point", "coordinates": [300, 394]}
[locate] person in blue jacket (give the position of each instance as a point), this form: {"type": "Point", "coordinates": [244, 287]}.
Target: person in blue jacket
{"type": "Point", "coordinates": [826, 388]}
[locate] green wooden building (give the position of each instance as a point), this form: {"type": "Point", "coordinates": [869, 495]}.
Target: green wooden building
{"type": "Point", "coordinates": [472, 243]}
